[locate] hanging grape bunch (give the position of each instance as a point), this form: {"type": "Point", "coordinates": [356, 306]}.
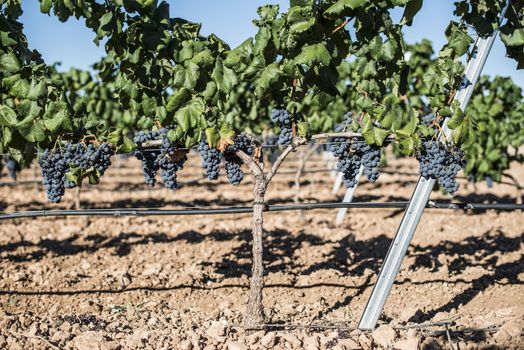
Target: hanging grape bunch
{"type": "Point", "coordinates": [281, 118]}
{"type": "Point", "coordinates": [147, 156]}
{"type": "Point", "coordinates": [354, 154]}
{"type": "Point", "coordinates": [73, 157]}
{"type": "Point", "coordinates": [234, 171]}
{"type": "Point", "coordinates": [168, 159]}
{"type": "Point", "coordinates": [441, 163]}
{"type": "Point", "coordinates": [210, 159]}
{"type": "Point", "coordinates": [370, 158]}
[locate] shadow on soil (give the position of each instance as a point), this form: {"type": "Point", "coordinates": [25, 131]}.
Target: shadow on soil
{"type": "Point", "coordinates": [349, 256]}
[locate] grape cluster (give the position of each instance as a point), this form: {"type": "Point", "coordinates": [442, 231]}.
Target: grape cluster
{"type": "Point", "coordinates": [147, 156]}
{"type": "Point", "coordinates": [351, 156]}
{"type": "Point", "coordinates": [349, 166]}
{"type": "Point", "coordinates": [13, 168]}
{"type": "Point", "coordinates": [210, 159]}
{"type": "Point", "coordinates": [166, 159]}
{"type": "Point", "coordinates": [54, 168]}
{"type": "Point", "coordinates": [282, 119]}
{"type": "Point", "coordinates": [338, 146]}
{"type": "Point", "coordinates": [242, 143]}
{"type": "Point", "coordinates": [370, 156]}
{"type": "Point", "coordinates": [271, 140]}
{"type": "Point", "coordinates": [438, 162]}
{"type": "Point", "coordinates": [169, 162]}
{"type": "Point", "coordinates": [234, 171]}
{"type": "Point", "coordinates": [56, 163]}
{"type": "Point", "coordinates": [348, 120]}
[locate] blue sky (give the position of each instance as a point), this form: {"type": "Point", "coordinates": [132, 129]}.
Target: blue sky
{"type": "Point", "coordinates": [71, 43]}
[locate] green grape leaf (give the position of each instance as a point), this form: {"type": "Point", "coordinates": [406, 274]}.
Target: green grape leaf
{"type": "Point", "coordinates": [178, 99]}
{"type": "Point", "coordinates": [9, 63]}
{"type": "Point", "coordinates": [7, 116]}
{"type": "Point", "coordinates": [410, 128]}
{"type": "Point", "coordinates": [186, 76]}
{"type": "Point", "coordinates": [224, 77]}
{"type": "Point", "coordinates": [36, 90]}
{"type": "Point", "coordinates": [45, 6]}
{"type": "Point", "coordinates": [411, 9]}
{"type": "Point", "coordinates": [514, 39]}
{"type": "Point", "coordinates": [32, 131]}
{"type": "Point", "coordinates": [6, 40]}
{"type": "Point", "coordinates": [148, 105]}
{"type": "Point", "coordinates": [212, 137]}
{"type": "Point", "coordinates": [20, 88]}
{"type": "Point", "coordinates": [297, 21]}
{"type": "Point", "coordinates": [315, 54]}
{"type": "Point", "coordinates": [338, 7]}
{"type": "Point", "coordinates": [459, 40]}
{"type": "Point", "coordinates": [267, 78]}
{"type": "Point", "coordinates": [407, 145]}
{"type": "Point", "coordinates": [189, 115]}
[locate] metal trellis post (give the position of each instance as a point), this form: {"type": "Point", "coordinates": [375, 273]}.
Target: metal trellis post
{"type": "Point", "coordinates": [338, 182]}
{"type": "Point", "coordinates": [420, 197]}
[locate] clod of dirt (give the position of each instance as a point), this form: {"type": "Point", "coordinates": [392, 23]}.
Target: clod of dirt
{"type": "Point", "coordinates": [364, 342]}
{"type": "Point", "coordinates": [292, 340]}
{"type": "Point", "coordinates": [509, 333]}
{"type": "Point", "coordinates": [349, 344]}
{"type": "Point", "coordinates": [255, 337]}
{"type": "Point", "coordinates": [91, 340]}
{"type": "Point", "coordinates": [185, 345]}
{"type": "Point", "coordinates": [235, 345]}
{"type": "Point", "coordinates": [412, 341]}
{"type": "Point", "coordinates": [384, 335]}
{"type": "Point", "coordinates": [268, 340]}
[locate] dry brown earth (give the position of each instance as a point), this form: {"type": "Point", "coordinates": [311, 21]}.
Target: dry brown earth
{"type": "Point", "coordinates": [181, 282]}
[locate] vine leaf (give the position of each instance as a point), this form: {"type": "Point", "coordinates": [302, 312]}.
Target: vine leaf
{"type": "Point", "coordinates": [189, 116]}
{"type": "Point", "coordinates": [514, 39]}
{"type": "Point", "coordinates": [411, 9]}
{"type": "Point", "coordinates": [45, 6]}
{"type": "Point", "coordinates": [268, 77]}
{"type": "Point", "coordinates": [187, 76]}
{"type": "Point", "coordinates": [316, 54]}
{"type": "Point", "coordinates": [341, 5]}
{"type": "Point", "coordinates": [7, 116]}
{"type": "Point", "coordinates": [9, 63]}
{"type": "Point", "coordinates": [31, 131]}
{"type": "Point", "coordinates": [373, 134]}
{"type": "Point", "coordinates": [224, 77]}
{"type": "Point", "coordinates": [178, 99]}
{"type": "Point", "coordinates": [458, 40]}
{"type": "Point", "coordinates": [297, 21]}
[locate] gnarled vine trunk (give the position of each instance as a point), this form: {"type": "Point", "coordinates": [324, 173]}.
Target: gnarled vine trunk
{"type": "Point", "coordinates": [254, 316]}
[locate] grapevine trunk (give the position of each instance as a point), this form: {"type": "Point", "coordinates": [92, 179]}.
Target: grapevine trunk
{"type": "Point", "coordinates": [254, 316]}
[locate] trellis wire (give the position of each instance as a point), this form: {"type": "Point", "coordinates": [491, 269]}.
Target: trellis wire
{"type": "Point", "coordinates": [249, 209]}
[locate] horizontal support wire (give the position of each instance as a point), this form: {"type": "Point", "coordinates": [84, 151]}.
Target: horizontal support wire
{"type": "Point", "coordinates": [249, 209]}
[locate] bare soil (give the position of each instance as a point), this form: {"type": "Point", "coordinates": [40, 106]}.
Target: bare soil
{"type": "Point", "coordinates": [181, 282]}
